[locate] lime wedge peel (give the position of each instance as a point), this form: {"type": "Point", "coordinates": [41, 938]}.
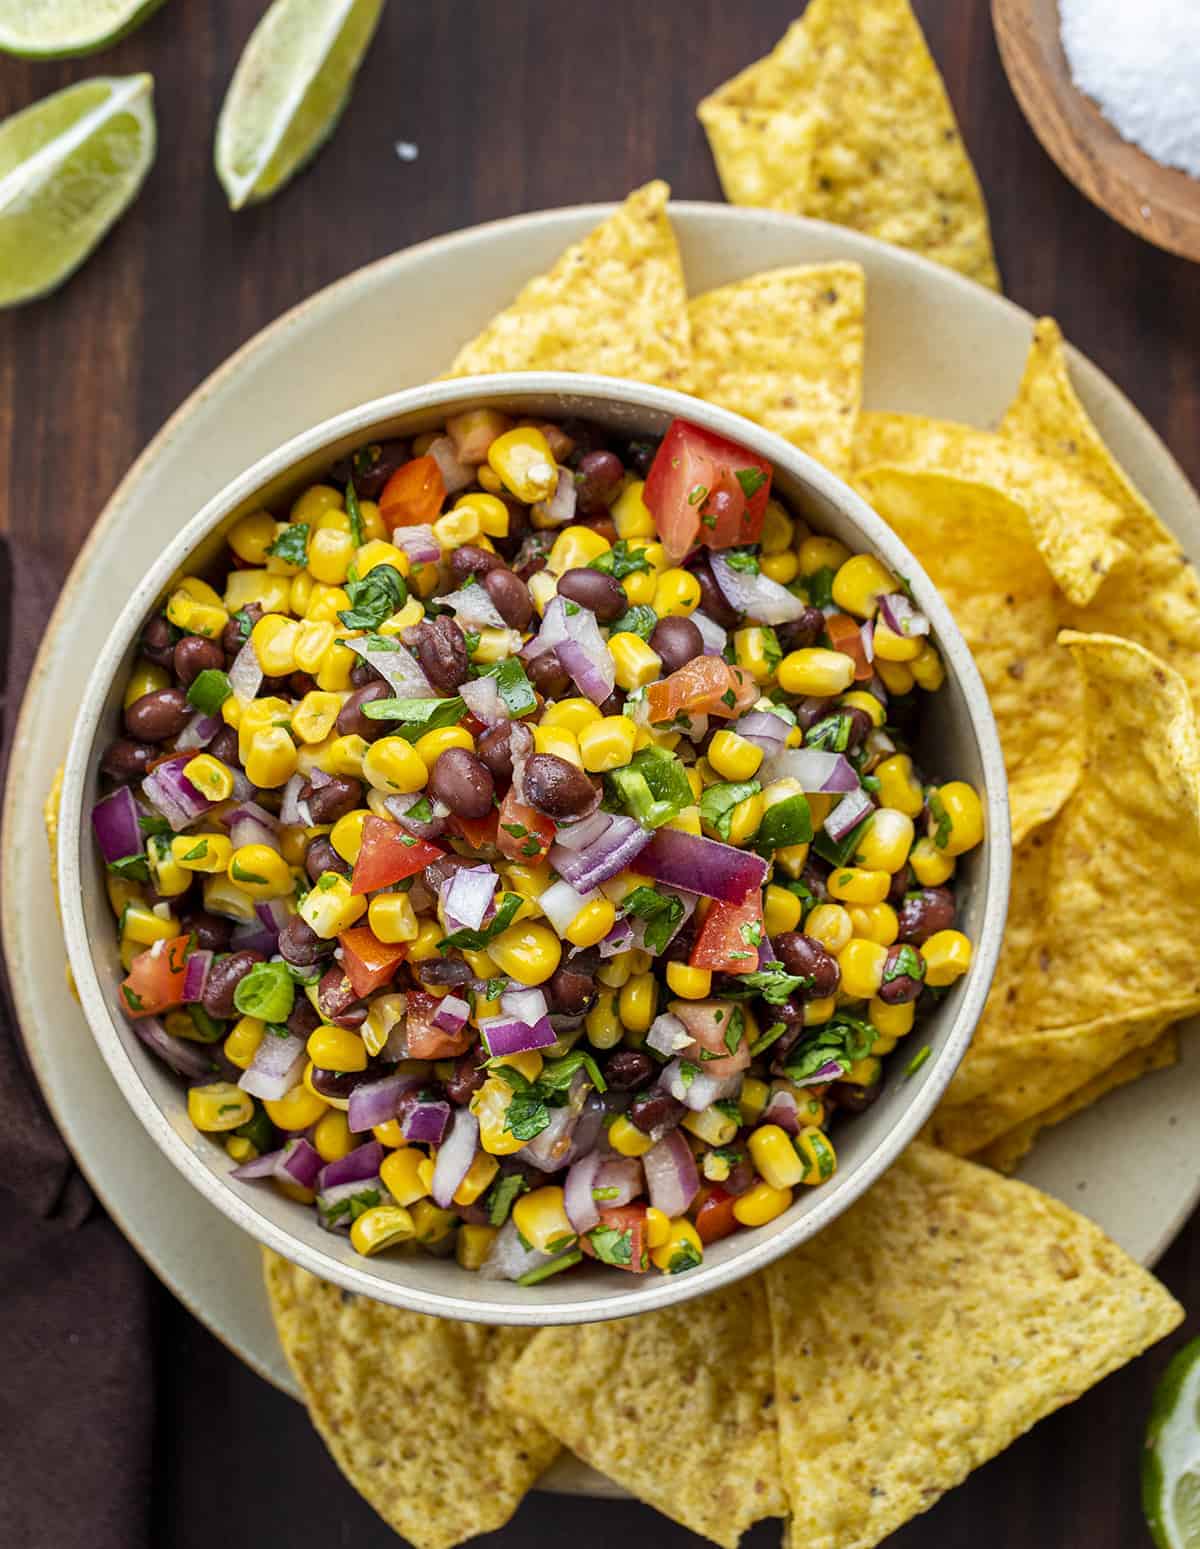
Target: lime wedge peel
{"type": "Point", "coordinates": [1171, 1461]}
{"type": "Point", "coordinates": [288, 91]}
{"type": "Point", "coordinates": [64, 29]}
{"type": "Point", "coordinates": [70, 166]}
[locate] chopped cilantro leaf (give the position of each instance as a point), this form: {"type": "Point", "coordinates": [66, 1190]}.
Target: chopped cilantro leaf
{"type": "Point", "coordinates": [662, 912]}
{"type": "Point", "coordinates": [611, 1245]}
{"type": "Point", "coordinates": [621, 561]}
{"type": "Point", "coordinates": [640, 620]}
{"type": "Point", "coordinates": [291, 545]}
{"type": "Point", "coordinates": [374, 598]}
{"type": "Point", "coordinates": [941, 817]}
{"type": "Point", "coordinates": [357, 532]}
{"type": "Point", "coordinates": [131, 867]}
{"type": "Point", "coordinates": [718, 802]}
{"type": "Point", "coordinates": [684, 1257]}
{"type": "Point", "coordinates": [476, 940]}
{"type": "Point", "coordinates": [743, 560]}
{"type": "Point", "coordinates": [751, 480]}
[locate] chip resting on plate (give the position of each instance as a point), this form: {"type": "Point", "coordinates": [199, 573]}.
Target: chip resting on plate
{"type": "Point", "coordinates": [944, 1314]}
{"type": "Point", "coordinates": [979, 550]}
{"type": "Point", "coordinates": [408, 1407]}
{"type": "Point", "coordinates": [785, 348]}
{"type": "Point", "coordinates": [875, 142]}
{"type": "Point", "coordinates": [1153, 598]}
{"type": "Point", "coordinates": [615, 303]}
{"type": "Point", "coordinates": [677, 1406]}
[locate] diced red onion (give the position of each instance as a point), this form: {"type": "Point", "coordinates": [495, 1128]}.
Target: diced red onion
{"type": "Point", "coordinates": [253, 936]}
{"type": "Point", "coordinates": [258, 1166]}
{"type": "Point", "coordinates": [115, 820]}
{"type": "Point", "coordinates": [878, 744]}
{"type": "Point", "coordinates": [714, 637]}
{"type": "Point", "coordinates": [757, 596]}
{"type": "Point", "coordinates": [671, 1177]}
{"type": "Point", "coordinates": [668, 1035]}
{"type": "Point", "coordinates": [473, 608]}
{"type": "Point", "coordinates": [902, 617]}
{"type": "Point", "coordinates": [560, 903]}
{"type": "Point", "coordinates": [170, 792]}
{"type": "Point", "coordinates": [505, 1035]}
{"type": "Point", "coordinates": [397, 665]}
{"type": "Point", "coordinates": [553, 629]}
{"type": "Point", "coordinates": [560, 508]}
{"type": "Point", "coordinates": [426, 1122]}
{"type": "Point", "coordinates": [520, 747]}
{"type": "Point", "coordinates": [624, 1175]}
{"type": "Point", "coordinates": [248, 830]}
{"type": "Point", "coordinates": [260, 815]}
{"type": "Point", "coordinates": [195, 976]}
{"type": "Point", "coordinates": [277, 1066]}
{"type": "Point", "coordinates": [830, 1071]}
{"type": "Point", "coordinates": [198, 732]}
{"type": "Point", "coordinates": [701, 865]}
{"type": "Point", "coordinates": [766, 731]}
{"type": "Point", "coordinates": [419, 543]}
{"type": "Point", "coordinates": [452, 1014]}
{"type": "Point", "coordinates": [454, 1158]}
{"type": "Point", "coordinates": [361, 1163]}
{"type": "Point", "coordinates": [329, 1199]}
{"type": "Point", "coordinates": [466, 896]}
{"type": "Point", "coordinates": [399, 807]}
{"type": "Point", "coordinates": [620, 843]}
{"type": "Point", "coordinates": [594, 674]}
{"type": "Point", "coordinates": [582, 1210]}
{"type": "Point", "coordinates": [766, 953]}
{"type": "Point", "coordinates": [272, 914]}
{"type": "Point", "coordinates": [877, 687]}
{"type": "Point", "coordinates": [245, 676]}
{"type": "Point", "coordinates": [527, 1005]}
{"type": "Point", "coordinates": [509, 1259]}
{"type": "Point", "coordinates": [289, 808]}
{"type": "Point", "coordinates": [454, 475]}
{"type": "Point", "coordinates": [242, 789]}
{"type": "Point", "coordinates": [852, 808]}
{"type": "Point", "coordinates": [577, 836]}
{"type": "Point", "coordinates": [482, 698]}
{"type": "Point", "coordinates": [299, 1162]}
{"type": "Point", "coordinates": [192, 1060]}
{"type": "Point", "coordinates": [781, 1109]}
{"type": "Point", "coordinates": [619, 939]}
{"type": "Point", "coordinates": [701, 1091]}
{"type": "Point", "coordinates": [866, 633]}
{"type": "Point", "coordinates": [375, 1102]}
{"type": "Point", "coordinates": [572, 1132]}
{"type": "Point", "coordinates": [814, 768]}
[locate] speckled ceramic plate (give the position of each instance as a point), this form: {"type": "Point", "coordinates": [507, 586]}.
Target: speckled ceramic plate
{"type": "Point", "coordinates": [936, 344]}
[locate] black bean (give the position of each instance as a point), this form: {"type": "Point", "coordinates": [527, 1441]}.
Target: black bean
{"type": "Point", "coordinates": [532, 554]}
{"type": "Point", "coordinates": [363, 673]}
{"type": "Point", "coordinates": [713, 602]}
{"type": "Point", "coordinates": [225, 747]}
{"type": "Point", "coordinates": [626, 1070]}
{"type": "Point", "coordinates": [614, 704]}
{"type": "Point", "coordinates": [598, 477]}
{"type": "Point", "coordinates": [194, 655]}
{"type": "Point", "coordinates": [902, 881]}
{"type": "Point", "coordinates": [463, 782]}
{"type": "Point", "coordinates": [234, 637]}
{"type": "Point", "coordinates": [212, 933]}
{"type": "Point", "coordinates": [801, 954]}
{"type": "Point", "coordinates": [224, 977]}
{"type": "Point", "coordinates": [157, 716]}
{"type": "Point", "coordinates": [338, 1001]}
{"type": "Point", "coordinates": [800, 633]}
{"type": "Point", "coordinates": [339, 1083]}
{"type": "Point", "coordinates": [301, 683]}
{"type": "Point", "coordinates": [125, 760]}
{"type": "Point", "coordinates": [656, 1111]}
{"type": "Point", "coordinates": [340, 794]}
{"type": "Point", "coordinates": [467, 1078]}
{"type": "Point", "coordinates": [510, 597]}
{"type": "Point", "coordinates": [158, 641]}
{"type": "Point", "coordinates": [852, 1098]}
{"type": "Point", "coordinates": [926, 912]}
{"type": "Point", "coordinates": [452, 971]}
{"type": "Point", "coordinates": [371, 467]}
{"type": "Point", "coordinates": [603, 594]}
{"type": "Point", "coordinates": [321, 857]}
{"type": "Point", "coordinates": [557, 788]}
{"type": "Point", "coordinates": [571, 988]}
{"type": "Point", "coordinates": [303, 1018]}
{"type": "Point", "coordinates": [495, 752]}
{"type": "Point", "coordinates": [351, 721]}
{"type": "Point", "coordinates": [300, 944]}
{"type": "Point", "coordinates": [677, 641]}
{"type": "Point", "coordinates": [815, 878]}
{"type": "Point", "coordinates": [546, 674]}
{"type": "Point", "coordinates": [640, 455]}
{"type": "Point", "coordinates": [471, 560]}
{"type": "Point", "coordinates": [441, 648]}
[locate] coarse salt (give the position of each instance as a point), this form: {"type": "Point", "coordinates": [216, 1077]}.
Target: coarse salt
{"type": "Point", "coordinates": [1140, 62]}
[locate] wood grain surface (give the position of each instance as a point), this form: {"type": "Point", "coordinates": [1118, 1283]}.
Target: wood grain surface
{"type": "Point", "coordinates": [519, 105]}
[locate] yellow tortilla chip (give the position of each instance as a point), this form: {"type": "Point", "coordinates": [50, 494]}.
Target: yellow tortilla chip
{"type": "Point", "coordinates": [978, 548]}
{"type": "Point", "coordinates": [1074, 525]}
{"type": "Point", "coordinates": [676, 1406]}
{"type": "Point", "coordinates": [409, 1407]}
{"type": "Point", "coordinates": [1007, 1152]}
{"type": "Point", "coordinates": [859, 86]}
{"type": "Point", "coordinates": [615, 303]}
{"type": "Point", "coordinates": [937, 1320]}
{"type": "Point", "coordinates": [785, 348]}
{"type": "Point", "coordinates": [1153, 598]}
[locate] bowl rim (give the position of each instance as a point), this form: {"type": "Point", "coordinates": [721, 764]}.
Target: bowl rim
{"type": "Point", "coordinates": [74, 840]}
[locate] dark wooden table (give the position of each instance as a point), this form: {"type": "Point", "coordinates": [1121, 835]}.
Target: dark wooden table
{"type": "Point", "coordinates": [518, 106]}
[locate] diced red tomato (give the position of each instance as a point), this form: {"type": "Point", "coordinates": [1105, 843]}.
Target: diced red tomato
{"type": "Point", "coordinates": [629, 1219]}
{"type": "Point", "coordinates": [702, 488]}
{"type": "Point", "coordinates": [714, 1217]}
{"type": "Point", "coordinates": [367, 962]}
{"type": "Point", "coordinates": [705, 686]}
{"type": "Point", "coordinates": [523, 833]}
{"type": "Point", "coordinates": [478, 832]}
{"type": "Point", "coordinates": [155, 979]}
{"type": "Point", "coordinates": [714, 1024]}
{"type": "Point", "coordinates": [728, 939]}
{"type": "Point", "coordinates": [414, 494]}
{"type": "Point", "coordinates": [845, 635]}
{"type": "Point", "coordinates": [389, 855]}
{"type": "Point", "coordinates": [426, 1042]}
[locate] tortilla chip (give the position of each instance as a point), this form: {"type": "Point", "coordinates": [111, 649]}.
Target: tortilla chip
{"type": "Point", "coordinates": [1074, 525]}
{"type": "Point", "coordinates": [1007, 1152]}
{"type": "Point", "coordinates": [785, 348]}
{"type": "Point", "coordinates": [409, 1407]}
{"type": "Point", "coordinates": [937, 1320]}
{"type": "Point", "coordinates": [676, 1406]}
{"type": "Point", "coordinates": [1153, 598]}
{"type": "Point", "coordinates": [978, 548]}
{"type": "Point", "coordinates": [858, 85]}
{"type": "Point", "coordinates": [615, 303]}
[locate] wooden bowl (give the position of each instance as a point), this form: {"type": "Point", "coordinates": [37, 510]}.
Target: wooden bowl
{"type": "Point", "coordinates": [1153, 201]}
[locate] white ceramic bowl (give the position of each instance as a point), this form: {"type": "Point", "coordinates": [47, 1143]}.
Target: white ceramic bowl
{"type": "Point", "coordinates": [959, 738]}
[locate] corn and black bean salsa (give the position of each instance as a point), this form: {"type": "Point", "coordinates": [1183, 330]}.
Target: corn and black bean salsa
{"type": "Point", "coordinates": [516, 848]}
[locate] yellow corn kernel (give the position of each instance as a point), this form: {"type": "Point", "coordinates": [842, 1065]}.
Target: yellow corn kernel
{"type": "Point", "coordinates": [751, 652]}
{"type": "Point", "coordinates": [346, 755]}
{"type": "Point", "coordinates": [818, 1012]}
{"type": "Point", "coordinates": [430, 1224]}
{"type": "Point", "coordinates": [638, 1002]}
{"type": "Point", "coordinates": [336, 1048]}
{"type": "Point", "coordinates": [687, 820]}
{"type": "Point", "coordinates": [382, 1227]}
{"type": "Point", "coordinates": [433, 744]}
{"type": "Point", "coordinates": [574, 548]}
{"type": "Point", "coordinates": [338, 1103]}
{"type": "Point", "coordinates": [478, 1178]}
{"type": "Point", "coordinates": [626, 1139]}
{"type": "Point", "coordinates": [592, 923]}
{"type": "Point", "coordinates": [733, 757]}
{"type": "Point", "coordinates": [606, 743]}
{"type": "Point", "coordinates": [761, 1204]}
{"type": "Point", "coordinates": [560, 741]}
{"type": "Point", "coordinates": [647, 738]}
{"type": "Point", "coordinates": [129, 949]}
{"type": "Point", "coordinates": [346, 834]}
{"type": "Point", "coordinates": [140, 924]}
{"type": "Point", "coordinates": [297, 1109]}
{"type": "Point", "coordinates": [790, 859]}
{"type": "Point", "coordinates": [745, 819]}
{"type": "Point", "coordinates": [457, 527]}
{"type": "Point", "coordinates": [373, 525]}
{"type": "Point", "coordinates": [542, 587]}
{"type": "Point", "coordinates": [891, 1021]}
{"type": "Point", "coordinates": [774, 1157]}
{"type": "Point", "coordinates": [425, 946]}
{"type": "Point", "coordinates": [831, 925]}
{"type": "Point", "coordinates": [778, 529]}
{"type": "Point", "coordinates": [377, 552]}
{"type": "Point", "coordinates": [490, 1106]}
{"type": "Point", "coordinates": [239, 1149]}
{"type": "Point", "coordinates": [524, 464]}
{"type": "Point", "coordinates": [201, 852]}
{"type": "Point", "coordinates": [528, 952]}
{"type": "Point", "coordinates": [616, 970]}
{"type": "Point", "coordinates": [958, 805]}
{"type": "Point", "coordinates": [272, 758]}
{"type": "Point", "coordinates": [859, 584]}
{"type": "Point", "coordinates": [273, 593]}
{"type": "Point", "coordinates": [897, 677]}
{"type": "Point", "coordinates": [928, 669]}
{"type": "Point", "coordinates": [313, 640]}
{"type": "Point", "coordinates": [333, 675]}
{"type": "Point", "coordinates": [252, 536]}
{"type": "Point", "coordinates": [861, 963]}
{"type": "Point", "coordinates": [601, 1025]}
{"type": "Point", "coordinates": [859, 699]}
{"type": "Point", "coordinates": [122, 892]}
{"type": "Point", "coordinates": [316, 500]}
{"type": "Point", "coordinates": [260, 871]}
{"type": "Point", "coordinates": [639, 588]}
{"type": "Point", "coordinates": [325, 602]}
{"type": "Point", "coordinates": [682, 1250]}
{"type": "Point", "coordinates": [640, 962]}
{"type": "Point", "coordinates": [630, 514]}
{"type": "Point", "coordinates": [400, 1175]}
{"type": "Point", "coordinates": [495, 645]}
{"type": "Point", "coordinates": [231, 712]}
{"type": "Point", "coordinates": [781, 568]}
{"type": "Point", "coordinates": [394, 764]}
{"type": "Point", "coordinates": [856, 885]}
{"type": "Point", "coordinates": [221, 897]}
{"type": "Point", "coordinates": [293, 1191]}
{"type": "Point", "coordinates": [886, 840]}
{"type": "Point", "coordinates": [822, 554]}
{"type": "Point", "coordinates": [690, 983]}
{"type": "Point", "coordinates": [300, 592]}
{"type": "Point", "coordinates": [658, 1227]}
{"type": "Point", "coordinates": [676, 594]}
{"type": "Point", "coordinates": [899, 787]}
{"type": "Point", "coordinates": [405, 618]}
{"type": "Point", "coordinates": [781, 910]}
{"type": "Point", "coordinates": [817, 1155]}
{"type": "Point", "coordinates": [145, 679]}
{"type": "Point", "coordinates": [385, 1012]}
{"type": "Point", "coordinates": [891, 647]}
{"type": "Point", "coordinates": [711, 1125]}
{"type": "Point", "coordinates": [210, 776]}
{"type": "Point", "coordinates": [815, 671]}
{"type": "Point", "coordinates": [491, 511]}
{"type": "Point", "coordinates": [752, 1099]}
{"type": "Point", "coordinates": [330, 555]}
{"type": "Point", "coordinates": [260, 715]}
{"type": "Point", "coordinates": [571, 714]}
{"type": "Point", "coordinates": [332, 1137]}
{"type": "Point", "coordinates": [875, 922]}
{"type": "Point", "coordinates": [274, 640]}
{"type": "Point", "coordinates": [315, 716]}
{"type": "Point", "coordinates": [196, 609]}
{"type": "Point", "coordinates": [391, 917]}
{"type": "Point", "coordinates": [180, 1025]}
{"type": "Point", "coordinates": [330, 907]}
{"type": "Point", "coordinates": [947, 956]}
{"type": "Point", "coordinates": [219, 1106]}
{"type": "Point", "coordinates": [541, 1218]}
{"type": "Point", "coordinates": [931, 866]}
{"type": "Point", "coordinates": [473, 1245]}
{"type": "Point", "coordinates": [166, 874]}
{"type": "Point", "coordinates": [636, 664]}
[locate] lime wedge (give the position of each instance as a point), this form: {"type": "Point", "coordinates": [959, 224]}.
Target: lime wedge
{"type": "Point", "coordinates": [59, 29]}
{"type": "Point", "coordinates": [288, 91]}
{"type": "Point", "coordinates": [1171, 1462]}
{"type": "Point", "coordinates": [70, 165]}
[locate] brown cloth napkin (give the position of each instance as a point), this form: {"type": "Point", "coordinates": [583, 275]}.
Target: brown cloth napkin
{"type": "Point", "coordinates": [76, 1374]}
